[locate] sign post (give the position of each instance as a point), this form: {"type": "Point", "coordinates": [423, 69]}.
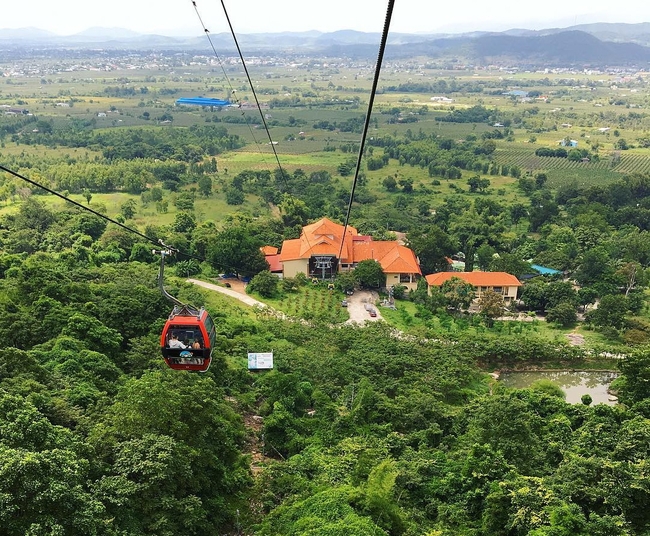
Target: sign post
{"type": "Point", "coordinates": [260, 360]}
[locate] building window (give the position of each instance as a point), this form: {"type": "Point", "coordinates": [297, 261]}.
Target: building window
{"type": "Point", "coordinates": [498, 290]}
{"type": "Point", "coordinates": [404, 278]}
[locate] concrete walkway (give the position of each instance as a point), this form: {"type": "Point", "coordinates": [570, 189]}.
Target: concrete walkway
{"type": "Point", "coordinates": [229, 292]}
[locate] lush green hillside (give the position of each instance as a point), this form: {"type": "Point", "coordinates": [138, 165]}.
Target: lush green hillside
{"type": "Point", "coordinates": [393, 428]}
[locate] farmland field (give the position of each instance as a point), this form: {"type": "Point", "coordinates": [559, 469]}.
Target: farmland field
{"type": "Point", "coordinates": [299, 100]}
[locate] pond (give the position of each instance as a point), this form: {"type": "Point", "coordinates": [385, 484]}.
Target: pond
{"type": "Point", "coordinates": [574, 384]}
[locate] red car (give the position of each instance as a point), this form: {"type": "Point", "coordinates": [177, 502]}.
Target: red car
{"type": "Point", "coordinates": [372, 313]}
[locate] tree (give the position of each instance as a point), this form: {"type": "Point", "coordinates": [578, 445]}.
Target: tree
{"type": "Point", "coordinates": [324, 513]}
{"type": "Point", "coordinates": [595, 267]}
{"type": "Point", "coordinates": [563, 313]}
{"type": "Point", "coordinates": [491, 305]}
{"type": "Point", "coordinates": [586, 295]}
{"type": "Point", "coordinates": [128, 209]}
{"type": "Point", "coordinates": [379, 501]}
{"type": "Point", "coordinates": [264, 283]}
{"type": "Point", "coordinates": [235, 196]}
{"type": "Point", "coordinates": [43, 476]}
{"type": "Point", "coordinates": [560, 292]}
{"type": "Point", "coordinates": [610, 311]}
{"type": "Point", "coordinates": [390, 183]}
{"type": "Point", "coordinates": [477, 184]}
{"type": "Point", "coordinates": [162, 206]}
{"type": "Point", "coordinates": [542, 209]}
{"type": "Point", "coordinates": [294, 211]}
{"type": "Point", "coordinates": [205, 185]}
{"type": "Point", "coordinates": [432, 246]}
{"type": "Point", "coordinates": [156, 194]}
{"type": "Point", "coordinates": [184, 222]}
{"type": "Point", "coordinates": [534, 295]}
{"type": "Point", "coordinates": [458, 293]}
{"type": "Point", "coordinates": [370, 274]}
{"type": "Point", "coordinates": [187, 268]}
{"type": "Point", "coordinates": [631, 274]}
{"type": "Point", "coordinates": [184, 201]}
{"type": "Point", "coordinates": [165, 459]}
{"type": "Point", "coordinates": [87, 195]}
{"type": "Point", "coordinates": [510, 263]}
{"type": "Point", "coordinates": [518, 211]}
{"type": "Point", "coordinates": [488, 146]}
{"type": "Point", "coordinates": [548, 387]}
{"type": "Point", "coordinates": [34, 215]}
{"type": "Point", "coordinates": [407, 185]}
{"type": "Point", "coordinates": [540, 180]}
{"type": "Point", "coordinates": [345, 281]}
{"type": "Point", "coordinates": [621, 144]}
{"type": "Point", "coordinates": [93, 333]}
{"type": "Point", "coordinates": [236, 249]}
{"type": "Point", "coordinates": [636, 377]}
{"type": "Point", "coordinates": [485, 256]}
{"type": "Point", "coordinates": [471, 229]}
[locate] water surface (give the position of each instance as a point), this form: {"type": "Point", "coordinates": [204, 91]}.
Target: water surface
{"type": "Point", "coordinates": [574, 384]}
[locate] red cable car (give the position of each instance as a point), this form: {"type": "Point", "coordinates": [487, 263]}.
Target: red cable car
{"type": "Point", "coordinates": [189, 335]}
{"type": "Point", "coordinates": [188, 338]}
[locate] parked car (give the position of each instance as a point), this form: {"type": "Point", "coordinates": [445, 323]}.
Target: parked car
{"type": "Point", "coordinates": [372, 313]}
{"type": "Point", "coordinates": [344, 303]}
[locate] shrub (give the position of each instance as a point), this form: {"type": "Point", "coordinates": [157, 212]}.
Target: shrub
{"type": "Point", "coordinates": [264, 283]}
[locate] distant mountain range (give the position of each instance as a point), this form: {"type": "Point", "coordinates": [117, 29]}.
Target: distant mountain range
{"type": "Point", "coordinates": [566, 48]}
{"type": "Point", "coordinates": [587, 44]}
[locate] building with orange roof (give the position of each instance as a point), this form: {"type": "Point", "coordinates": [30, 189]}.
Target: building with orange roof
{"type": "Point", "coordinates": [322, 251]}
{"type": "Point", "coordinates": [269, 250]}
{"type": "Point", "coordinates": [272, 259]}
{"type": "Point", "coordinates": [500, 282]}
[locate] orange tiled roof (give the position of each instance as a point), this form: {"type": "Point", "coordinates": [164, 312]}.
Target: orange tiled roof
{"type": "Point", "coordinates": [478, 279]}
{"type": "Point", "coordinates": [394, 259]}
{"type": "Point", "coordinates": [269, 250]}
{"type": "Point", "coordinates": [320, 238]}
{"type": "Point", "coordinates": [290, 250]}
{"type": "Point", "coordinates": [324, 238]}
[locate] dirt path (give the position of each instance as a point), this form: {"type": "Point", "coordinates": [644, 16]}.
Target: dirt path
{"type": "Point", "coordinates": [253, 424]}
{"type": "Point", "coordinates": [575, 339]}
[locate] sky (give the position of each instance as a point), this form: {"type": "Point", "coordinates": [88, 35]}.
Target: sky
{"type": "Point", "coordinates": [179, 17]}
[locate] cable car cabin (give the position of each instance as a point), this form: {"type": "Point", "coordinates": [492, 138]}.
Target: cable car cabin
{"type": "Point", "coordinates": [188, 338]}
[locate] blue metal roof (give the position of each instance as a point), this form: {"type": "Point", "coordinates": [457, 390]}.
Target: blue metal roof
{"type": "Point", "coordinates": [202, 101]}
{"type": "Point", "coordinates": [545, 270]}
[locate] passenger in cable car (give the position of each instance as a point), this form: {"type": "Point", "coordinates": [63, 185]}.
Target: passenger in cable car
{"type": "Point", "coordinates": [175, 343]}
{"type": "Point", "coordinates": [196, 345]}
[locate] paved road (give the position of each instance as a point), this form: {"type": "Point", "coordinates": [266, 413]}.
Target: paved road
{"type": "Point", "coordinates": [228, 292]}
{"type": "Point", "coordinates": [356, 307]}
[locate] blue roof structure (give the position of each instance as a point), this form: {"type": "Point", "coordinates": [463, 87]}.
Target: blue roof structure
{"type": "Point", "coordinates": [545, 270]}
{"type": "Point", "coordinates": [202, 101]}
{"type": "Point", "coordinates": [517, 93]}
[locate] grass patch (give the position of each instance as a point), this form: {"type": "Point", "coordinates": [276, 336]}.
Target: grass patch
{"type": "Point", "coordinates": [310, 303]}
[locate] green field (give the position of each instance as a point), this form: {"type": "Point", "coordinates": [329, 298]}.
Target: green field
{"type": "Point", "coordinates": [295, 100]}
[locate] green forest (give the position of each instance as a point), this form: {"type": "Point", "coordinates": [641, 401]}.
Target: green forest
{"type": "Point", "coordinates": [361, 431]}
{"type": "Point", "coordinates": [358, 430]}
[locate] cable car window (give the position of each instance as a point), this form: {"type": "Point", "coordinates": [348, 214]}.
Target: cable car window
{"type": "Point", "coordinates": [209, 325]}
